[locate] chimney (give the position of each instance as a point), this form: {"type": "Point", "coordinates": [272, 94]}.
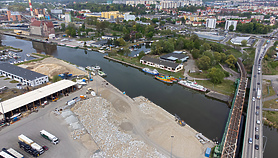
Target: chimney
{"type": "Point", "coordinates": [31, 9]}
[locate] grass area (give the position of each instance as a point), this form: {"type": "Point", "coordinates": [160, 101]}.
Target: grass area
{"type": "Point", "coordinates": [10, 93]}
{"type": "Point", "coordinates": [204, 73]}
{"type": "Point", "coordinates": [272, 118]}
{"type": "Point", "coordinates": [227, 87]}
{"type": "Point", "coordinates": [267, 89]}
{"type": "Point", "coordinates": [136, 61]}
{"type": "Point", "coordinates": [6, 78]}
{"type": "Point", "coordinates": [84, 39]}
{"type": "Point", "coordinates": [14, 81]}
{"type": "Point", "coordinates": [2, 76]}
{"type": "Point", "coordinates": [270, 67]}
{"type": "Point", "coordinates": [34, 60]}
{"type": "Point", "coordinates": [248, 59]}
{"type": "Point", "coordinates": [9, 47]}
{"type": "Point", "coordinates": [270, 104]}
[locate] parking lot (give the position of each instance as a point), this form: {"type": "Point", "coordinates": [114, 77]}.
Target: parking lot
{"type": "Point", "coordinates": [45, 119]}
{"type": "Point", "coordinates": [7, 83]}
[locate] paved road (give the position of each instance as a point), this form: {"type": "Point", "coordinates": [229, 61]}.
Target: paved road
{"type": "Point", "coordinates": [45, 119]}
{"type": "Point", "coordinates": [269, 109]}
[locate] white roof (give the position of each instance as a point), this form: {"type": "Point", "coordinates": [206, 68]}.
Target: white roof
{"type": "Point", "coordinates": [239, 39]}
{"type": "Point", "coordinates": [35, 95]}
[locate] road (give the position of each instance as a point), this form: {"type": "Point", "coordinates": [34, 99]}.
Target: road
{"type": "Point", "coordinates": [254, 112]}
{"type": "Point", "coordinates": [45, 119]}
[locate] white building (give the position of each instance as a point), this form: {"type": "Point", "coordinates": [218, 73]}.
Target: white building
{"type": "Point", "coordinates": [25, 76]}
{"type": "Point", "coordinates": [229, 23]}
{"type": "Point", "coordinates": [67, 17]}
{"type": "Point", "coordinates": [211, 23]}
{"type": "Point", "coordinates": [128, 17]}
{"type": "Point", "coordinates": [238, 40]}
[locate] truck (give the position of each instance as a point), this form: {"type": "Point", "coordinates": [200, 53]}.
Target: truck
{"type": "Point", "coordinates": [49, 137]}
{"type": "Point", "coordinates": [259, 92]}
{"type": "Point", "coordinates": [31, 143]}
{"type": "Point", "coordinates": [28, 149]}
{"type": "Point", "coordinates": [12, 152]}
{"type": "Point", "coordinates": [5, 155]}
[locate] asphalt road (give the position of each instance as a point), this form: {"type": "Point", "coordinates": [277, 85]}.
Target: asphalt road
{"type": "Point", "coordinates": [45, 119]}
{"type": "Point", "coordinates": [255, 106]}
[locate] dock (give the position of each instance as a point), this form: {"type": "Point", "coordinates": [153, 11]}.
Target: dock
{"type": "Point", "coordinates": [123, 62]}
{"type": "Point", "coordinates": [218, 96]}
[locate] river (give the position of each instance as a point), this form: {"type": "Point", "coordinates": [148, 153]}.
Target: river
{"type": "Point", "coordinates": [205, 115]}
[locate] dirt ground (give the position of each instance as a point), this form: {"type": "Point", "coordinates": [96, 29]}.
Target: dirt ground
{"type": "Point", "coordinates": [142, 120]}
{"type": "Point", "coordinates": [52, 66]}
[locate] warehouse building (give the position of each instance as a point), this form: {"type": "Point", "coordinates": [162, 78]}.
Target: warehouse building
{"type": "Point", "coordinates": [25, 76]}
{"type": "Point", "coordinates": [161, 64]}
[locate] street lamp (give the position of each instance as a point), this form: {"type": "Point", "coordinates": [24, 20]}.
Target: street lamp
{"type": "Point", "coordinates": [3, 110]}
{"type": "Point", "coordinates": [171, 144]}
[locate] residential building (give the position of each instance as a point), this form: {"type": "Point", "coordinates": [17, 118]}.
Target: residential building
{"type": "Point", "coordinates": [106, 37]}
{"type": "Point", "coordinates": [197, 23]}
{"type": "Point", "coordinates": [229, 23]}
{"type": "Point", "coordinates": [272, 20]}
{"type": "Point", "coordinates": [67, 17]}
{"type": "Point", "coordinates": [25, 76]}
{"type": "Point", "coordinates": [42, 28]}
{"type": "Point", "coordinates": [211, 23]}
{"type": "Point", "coordinates": [14, 16]}
{"type": "Point", "coordinates": [99, 43]}
{"type": "Point", "coordinates": [128, 17]}
{"type": "Point", "coordinates": [260, 17]}
{"type": "Point", "coordinates": [161, 64]}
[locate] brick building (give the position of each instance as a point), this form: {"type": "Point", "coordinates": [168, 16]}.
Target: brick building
{"type": "Point", "coordinates": [42, 28]}
{"type": "Point", "coordinates": [14, 16]}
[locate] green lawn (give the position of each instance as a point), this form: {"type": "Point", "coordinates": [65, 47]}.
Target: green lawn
{"type": "Point", "coordinates": [271, 116]}
{"type": "Point", "coordinates": [227, 87]}
{"type": "Point", "coordinates": [267, 89]}
{"type": "Point", "coordinates": [271, 104]}
{"type": "Point", "coordinates": [6, 78]}
{"type": "Point", "coordinates": [14, 81]}
{"type": "Point", "coordinates": [84, 39]}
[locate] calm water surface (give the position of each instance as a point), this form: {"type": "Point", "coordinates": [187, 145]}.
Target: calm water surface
{"type": "Point", "coordinates": [205, 115]}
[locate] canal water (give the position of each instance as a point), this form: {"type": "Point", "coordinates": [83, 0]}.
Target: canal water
{"type": "Point", "coordinates": [205, 115]}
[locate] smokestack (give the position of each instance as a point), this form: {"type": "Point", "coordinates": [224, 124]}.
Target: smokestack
{"type": "Point", "coordinates": [30, 5]}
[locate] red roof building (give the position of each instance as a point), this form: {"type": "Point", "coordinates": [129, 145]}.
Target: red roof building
{"type": "Point", "coordinates": [42, 28]}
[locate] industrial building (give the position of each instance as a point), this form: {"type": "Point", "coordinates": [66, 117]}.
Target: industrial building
{"type": "Point", "coordinates": [36, 97]}
{"type": "Point", "coordinates": [25, 76]}
{"type": "Point", "coordinates": [237, 40]}
{"type": "Point", "coordinates": [209, 35]}
{"type": "Point", "coordinates": [173, 57]}
{"type": "Point", "coordinates": [42, 28]}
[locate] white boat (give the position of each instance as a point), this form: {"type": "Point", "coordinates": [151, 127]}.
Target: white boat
{"type": "Point", "coordinates": [28, 55]}
{"type": "Point", "coordinates": [192, 85]}
{"type": "Point", "coordinates": [101, 51]}
{"type": "Point", "coordinates": [101, 73]}
{"type": "Point", "coordinates": [152, 72]}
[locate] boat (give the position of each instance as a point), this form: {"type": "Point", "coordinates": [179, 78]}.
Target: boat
{"type": "Point", "coordinates": [101, 73]}
{"type": "Point", "coordinates": [152, 72]}
{"type": "Point", "coordinates": [163, 79]}
{"type": "Point", "coordinates": [101, 51]}
{"type": "Point", "coordinates": [170, 78]}
{"type": "Point", "coordinates": [192, 85]}
{"type": "Point", "coordinates": [28, 55]}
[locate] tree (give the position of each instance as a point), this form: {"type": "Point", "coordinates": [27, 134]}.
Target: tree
{"type": "Point", "coordinates": [231, 60]}
{"type": "Point", "coordinates": [216, 75]}
{"type": "Point", "coordinates": [217, 57]}
{"type": "Point", "coordinates": [244, 43]}
{"type": "Point", "coordinates": [231, 28]}
{"type": "Point", "coordinates": [223, 57]}
{"type": "Point", "coordinates": [141, 54]}
{"type": "Point", "coordinates": [56, 78]}
{"type": "Point", "coordinates": [63, 26]}
{"type": "Point", "coordinates": [206, 46]}
{"type": "Point", "coordinates": [204, 62]}
{"type": "Point", "coordinates": [149, 35]}
{"type": "Point", "coordinates": [121, 41]}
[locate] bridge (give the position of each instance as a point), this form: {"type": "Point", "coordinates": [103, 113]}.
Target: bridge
{"type": "Point", "coordinates": [229, 141]}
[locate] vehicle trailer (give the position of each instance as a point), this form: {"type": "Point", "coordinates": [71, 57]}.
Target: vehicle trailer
{"type": "Point", "coordinates": [49, 137]}
{"type": "Point", "coordinates": [31, 143]}
{"type": "Point", "coordinates": [13, 153]}
{"type": "Point", "coordinates": [5, 155]}
{"type": "Point", "coordinates": [28, 149]}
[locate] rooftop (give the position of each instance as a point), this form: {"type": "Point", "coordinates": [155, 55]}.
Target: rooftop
{"type": "Point", "coordinates": [161, 62]}
{"type": "Point", "coordinates": [35, 95]}
{"type": "Point", "coordinates": [24, 73]}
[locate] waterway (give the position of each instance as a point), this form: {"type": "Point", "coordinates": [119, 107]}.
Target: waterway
{"type": "Point", "coordinates": [205, 115]}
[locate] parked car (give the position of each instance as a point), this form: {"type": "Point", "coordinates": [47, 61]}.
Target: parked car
{"type": "Point", "coordinates": [257, 147]}
{"type": "Point", "coordinates": [256, 136]}
{"type": "Point", "coordinates": [45, 148]}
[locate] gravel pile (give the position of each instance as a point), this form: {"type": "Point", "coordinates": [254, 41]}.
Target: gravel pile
{"type": "Point", "coordinates": [101, 121]}
{"type": "Point", "coordinates": [146, 108]}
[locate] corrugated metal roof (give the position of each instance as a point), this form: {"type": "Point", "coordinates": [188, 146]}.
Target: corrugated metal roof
{"type": "Point", "coordinates": [35, 95]}
{"type": "Point", "coordinates": [16, 70]}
